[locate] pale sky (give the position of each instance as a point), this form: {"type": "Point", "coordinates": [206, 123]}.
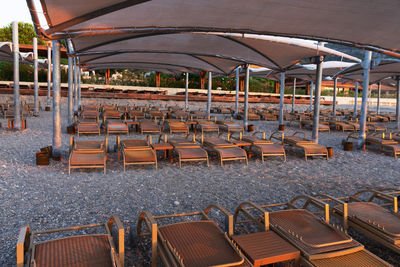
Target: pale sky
{"type": "Point", "coordinates": [14, 10]}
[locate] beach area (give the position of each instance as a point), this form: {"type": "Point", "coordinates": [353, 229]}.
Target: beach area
{"type": "Point", "coordinates": [46, 197]}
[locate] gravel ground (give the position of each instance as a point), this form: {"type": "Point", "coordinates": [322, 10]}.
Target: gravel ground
{"type": "Point", "coordinates": [47, 197]}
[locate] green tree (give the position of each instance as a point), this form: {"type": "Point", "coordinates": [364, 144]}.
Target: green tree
{"type": "Point", "coordinates": [26, 32]}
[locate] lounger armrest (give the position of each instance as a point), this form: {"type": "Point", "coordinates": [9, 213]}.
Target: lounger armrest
{"type": "Point", "coordinates": [353, 135]}
{"type": "Point", "coordinates": [151, 223]}
{"type": "Point", "coordinates": [245, 206]}
{"type": "Point", "coordinates": [114, 220]}
{"type": "Point", "coordinates": [300, 133]}
{"type": "Point", "coordinates": [277, 135]}
{"type": "Point", "coordinates": [228, 217]}
{"type": "Point", "coordinates": [341, 203]}
{"type": "Point", "coordinates": [259, 132]}
{"type": "Point", "coordinates": [379, 195]}
{"type": "Point", "coordinates": [23, 245]}
{"type": "Point", "coordinates": [310, 200]}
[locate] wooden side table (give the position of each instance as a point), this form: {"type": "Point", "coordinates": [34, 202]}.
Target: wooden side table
{"type": "Point", "coordinates": [267, 247]}
{"type": "Point", "coordinates": [163, 146]}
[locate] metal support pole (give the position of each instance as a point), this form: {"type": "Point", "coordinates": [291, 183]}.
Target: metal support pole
{"type": "Point", "coordinates": [237, 93]}
{"type": "Point", "coordinates": [281, 98]}
{"type": "Point", "coordinates": [79, 86]}
{"type": "Point", "coordinates": [398, 103]}
{"type": "Point", "coordinates": [70, 91]}
{"type": "Point", "coordinates": [378, 104]}
{"type": "Point", "coordinates": [35, 78]}
{"type": "Point", "coordinates": [209, 93]}
{"type": "Point", "coordinates": [366, 64]}
{"type": "Point", "coordinates": [311, 96]}
{"type": "Point", "coordinates": [48, 76]}
{"type": "Point", "coordinates": [187, 91]}
{"type": "Point", "coordinates": [75, 86]}
{"type": "Point", "coordinates": [56, 99]}
{"type": "Point", "coordinates": [17, 107]}
{"type": "Point", "coordinates": [318, 81]}
{"type": "Point", "coordinates": [334, 96]}
{"type": "Point", "coordinates": [294, 94]}
{"type": "Point", "coordinates": [355, 101]}
{"type": "Point", "coordinates": [246, 97]}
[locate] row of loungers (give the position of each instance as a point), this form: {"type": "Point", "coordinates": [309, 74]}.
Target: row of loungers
{"type": "Point", "coordinates": [93, 154]}
{"type": "Point", "coordinates": [298, 232]}
{"type": "Point", "coordinates": [145, 126]}
{"type": "Point", "coordinates": [386, 142]}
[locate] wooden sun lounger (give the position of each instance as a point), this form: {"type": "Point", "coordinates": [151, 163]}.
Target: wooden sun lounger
{"type": "Point", "coordinates": [188, 150]}
{"type": "Point", "coordinates": [178, 127]}
{"type": "Point", "coordinates": [89, 250]}
{"type": "Point", "coordinates": [150, 127]}
{"type": "Point", "coordinates": [226, 151]}
{"type": "Point", "coordinates": [136, 114]}
{"type": "Point", "coordinates": [231, 127]}
{"type": "Point", "coordinates": [309, 148]}
{"type": "Point", "coordinates": [191, 243]}
{"type": "Point", "coordinates": [207, 126]}
{"type": "Point", "coordinates": [342, 126]}
{"type": "Point", "coordinates": [385, 144]}
{"type": "Point", "coordinates": [266, 147]}
{"type": "Point", "coordinates": [321, 128]}
{"type": "Point", "coordinates": [111, 114]}
{"type": "Point", "coordinates": [90, 114]}
{"type": "Point", "coordinates": [87, 154]}
{"type": "Point", "coordinates": [321, 244]}
{"type": "Point", "coordinates": [88, 128]}
{"type": "Point", "coordinates": [137, 152]}
{"type": "Point", "coordinates": [373, 219]}
{"type": "Point", "coordinates": [117, 127]}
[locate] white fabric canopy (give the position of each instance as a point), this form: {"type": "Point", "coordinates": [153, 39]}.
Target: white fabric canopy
{"type": "Point", "coordinates": [303, 71]}
{"type": "Point", "coordinates": [384, 71]}
{"type": "Point", "coordinates": [216, 52]}
{"type": "Point", "coordinates": [357, 22]}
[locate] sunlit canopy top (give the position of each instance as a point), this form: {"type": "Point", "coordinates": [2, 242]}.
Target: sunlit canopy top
{"type": "Point", "coordinates": [357, 22]}
{"type": "Point", "coordinates": [216, 52]}
{"type": "Point", "coordinates": [303, 71]}
{"type": "Point", "coordinates": [386, 69]}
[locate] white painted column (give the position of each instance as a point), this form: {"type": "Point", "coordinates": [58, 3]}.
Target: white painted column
{"type": "Point", "coordinates": [17, 102]}
{"type": "Point", "coordinates": [281, 98]}
{"type": "Point", "coordinates": [187, 91]}
{"type": "Point", "coordinates": [366, 64]}
{"type": "Point", "coordinates": [209, 93]}
{"type": "Point", "coordinates": [318, 81]}
{"type": "Point", "coordinates": [246, 97]}
{"type": "Point", "coordinates": [355, 101]}
{"type": "Point", "coordinates": [56, 99]}
{"type": "Point", "coordinates": [35, 78]}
